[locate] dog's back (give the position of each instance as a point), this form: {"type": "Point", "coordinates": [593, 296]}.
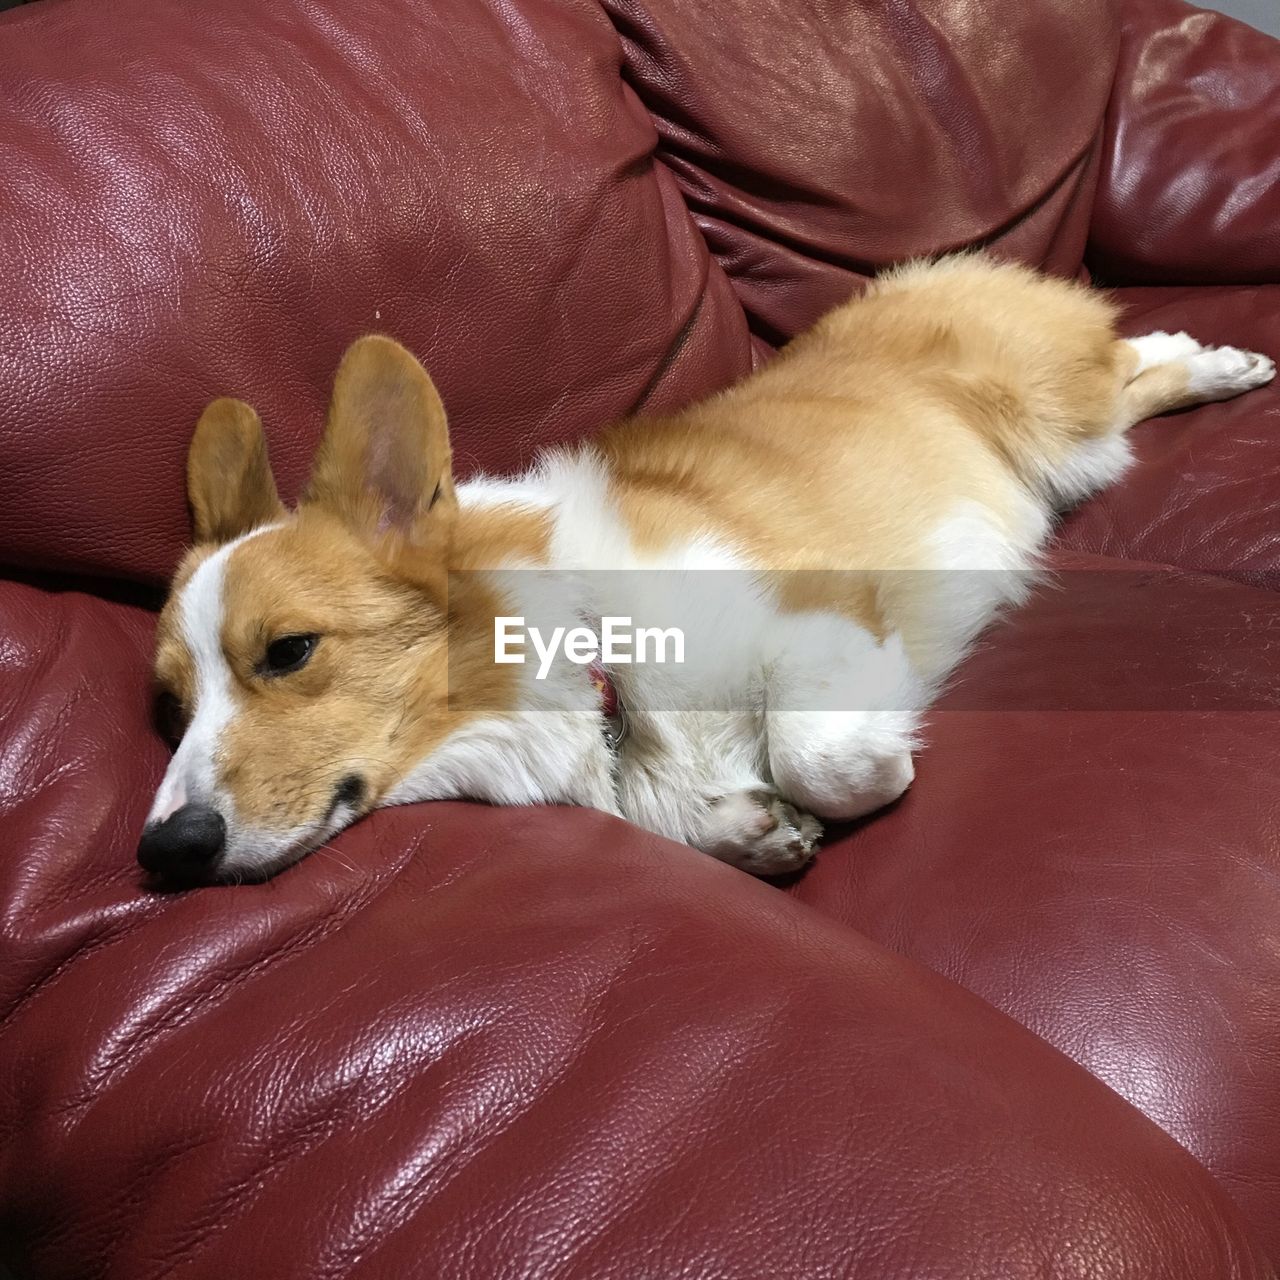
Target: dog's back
{"type": "Point", "coordinates": [930, 426]}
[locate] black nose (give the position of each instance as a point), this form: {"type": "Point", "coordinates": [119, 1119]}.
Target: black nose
{"type": "Point", "coordinates": [185, 844]}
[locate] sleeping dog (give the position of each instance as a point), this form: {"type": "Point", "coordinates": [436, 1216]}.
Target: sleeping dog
{"type": "Point", "coordinates": [830, 534]}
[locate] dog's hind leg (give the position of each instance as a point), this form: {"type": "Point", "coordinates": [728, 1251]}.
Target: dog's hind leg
{"type": "Point", "coordinates": [1166, 371]}
{"type": "Point", "coordinates": [1149, 375]}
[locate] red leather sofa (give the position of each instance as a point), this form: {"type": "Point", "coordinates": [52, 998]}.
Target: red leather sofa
{"type": "Point", "coordinates": [1027, 1024]}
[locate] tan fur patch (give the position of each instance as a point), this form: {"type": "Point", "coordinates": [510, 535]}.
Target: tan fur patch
{"type": "Point", "coordinates": [802, 465]}
{"type": "Point", "coordinates": [229, 481]}
{"type": "Point", "coordinates": [1155, 390]}
{"type": "Point", "coordinates": [488, 538]}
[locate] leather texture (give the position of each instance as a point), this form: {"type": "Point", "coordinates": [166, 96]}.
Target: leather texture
{"type": "Point", "coordinates": [815, 142]}
{"type": "Point", "coordinates": [1190, 192]}
{"type": "Point", "coordinates": [203, 200]}
{"type": "Point", "coordinates": [1206, 492]}
{"type": "Point", "coordinates": [1091, 845]}
{"type": "Point", "coordinates": [1024, 1024]}
{"type": "Point", "coordinates": [487, 1042]}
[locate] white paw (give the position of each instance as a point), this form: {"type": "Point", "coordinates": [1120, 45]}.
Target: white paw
{"type": "Point", "coordinates": [1218, 373]}
{"type": "Point", "coordinates": [759, 832]}
{"type": "Point", "coordinates": [842, 764]}
{"type": "Point", "coordinates": [886, 780]}
{"type": "Point", "coordinates": [1163, 348]}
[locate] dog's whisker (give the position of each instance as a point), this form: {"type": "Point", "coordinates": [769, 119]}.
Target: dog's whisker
{"type": "Point", "coordinates": [331, 852]}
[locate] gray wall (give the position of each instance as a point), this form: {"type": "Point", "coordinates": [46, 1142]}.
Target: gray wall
{"type": "Point", "coordinates": [1264, 14]}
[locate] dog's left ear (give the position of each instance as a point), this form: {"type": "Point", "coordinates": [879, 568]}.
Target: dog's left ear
{"type": "Point", "coordinates": [229, 481]}
{"type": "Point", "coordinates": [384, 466]}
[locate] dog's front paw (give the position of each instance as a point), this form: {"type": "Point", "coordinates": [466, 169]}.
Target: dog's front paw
{"type": "Point", "coordinates": [759, 832]}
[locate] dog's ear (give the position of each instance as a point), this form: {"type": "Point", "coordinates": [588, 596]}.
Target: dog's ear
{"type": "Point", "coordinates": [384, 466]}
{"type": "Point", "coordinates": [229, 481]}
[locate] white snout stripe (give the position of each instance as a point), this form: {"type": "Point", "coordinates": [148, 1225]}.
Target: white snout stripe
{"type": "Point", "coordinates": [192, 776]}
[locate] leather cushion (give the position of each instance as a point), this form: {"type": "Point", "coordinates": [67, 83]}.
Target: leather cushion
{"type": "Point", "coordinates": [203, 201]}
{"type": "Point", "coordinates": [1190, 185]}
{"type": "Point", "coordinates": [504, 1041]}
{"type": "Point", "coordinates": [1090, 844]}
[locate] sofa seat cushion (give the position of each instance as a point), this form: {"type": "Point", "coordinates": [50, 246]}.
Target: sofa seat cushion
{"type": "Point", "coordinates": [1090, 844]}
{"type": "Point", "coordinates": [508, 1040]}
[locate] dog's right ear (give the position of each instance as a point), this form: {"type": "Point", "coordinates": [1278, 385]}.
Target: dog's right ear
{"type": "Point", "coordinates": [229, 482]}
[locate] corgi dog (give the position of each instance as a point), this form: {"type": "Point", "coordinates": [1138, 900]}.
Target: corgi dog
{"type": "Point", "coordinates": [830, 533]}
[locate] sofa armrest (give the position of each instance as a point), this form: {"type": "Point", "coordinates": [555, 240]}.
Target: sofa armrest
{"type": "Point", "coordinates": [483, 1042]}
{"type": "Point", "coordinates": [1190, 185]}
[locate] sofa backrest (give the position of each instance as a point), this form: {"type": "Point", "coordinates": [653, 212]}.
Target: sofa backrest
{"type": "Point", "coordinates": [571, 210]}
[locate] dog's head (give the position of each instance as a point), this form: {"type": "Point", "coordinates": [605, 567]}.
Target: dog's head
{"type": "Point", "coordinates": [304, 651]}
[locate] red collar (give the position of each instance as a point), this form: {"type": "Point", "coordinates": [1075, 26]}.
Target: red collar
{"type": "Point", "coordinates": [605, 687]}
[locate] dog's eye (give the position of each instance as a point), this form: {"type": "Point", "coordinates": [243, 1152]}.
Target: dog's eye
{"type": "Point", "coordinates": [171, 719]}
{"type": "Point", "coordinates": [287, 654]}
